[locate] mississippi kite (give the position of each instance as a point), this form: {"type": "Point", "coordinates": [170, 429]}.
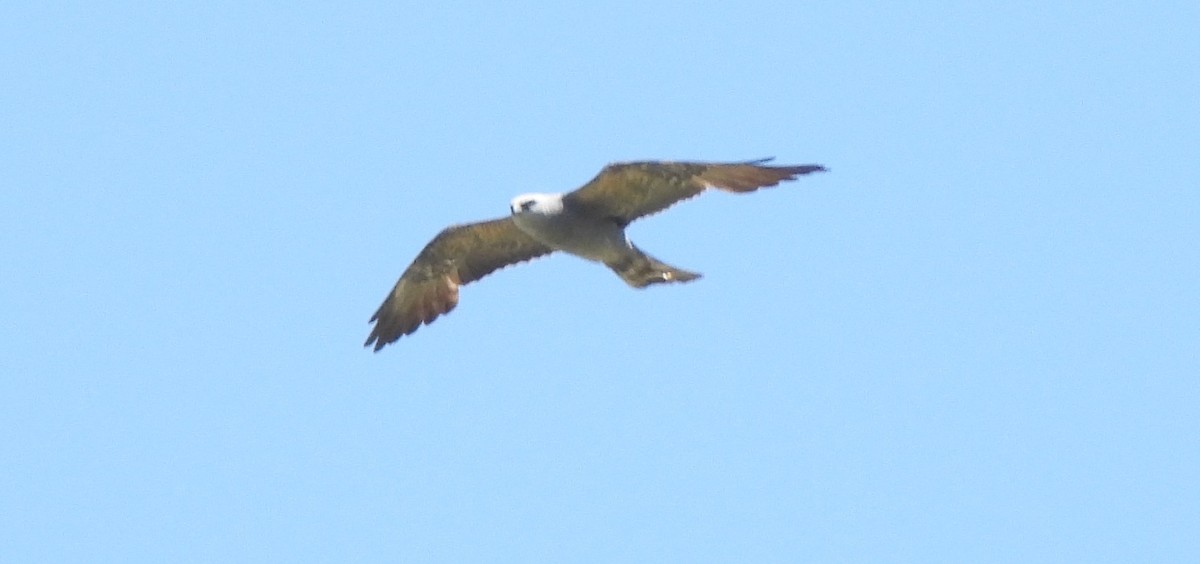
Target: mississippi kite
{"type": "Point", "coordinates": [589, 223]}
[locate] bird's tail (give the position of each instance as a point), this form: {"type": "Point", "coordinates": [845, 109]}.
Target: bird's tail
{"type": "Point", "coordinates": [639, 270]}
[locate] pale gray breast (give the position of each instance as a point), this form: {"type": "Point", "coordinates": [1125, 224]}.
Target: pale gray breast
{"type": "Point", "coordinates": [588, 237]}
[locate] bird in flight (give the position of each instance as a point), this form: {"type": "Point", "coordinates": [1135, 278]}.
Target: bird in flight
{"type": "Point", "coordinates": [589, 223]}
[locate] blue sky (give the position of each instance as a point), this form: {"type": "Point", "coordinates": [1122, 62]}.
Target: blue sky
{"type": "Point", "coordinates": [974, 340]}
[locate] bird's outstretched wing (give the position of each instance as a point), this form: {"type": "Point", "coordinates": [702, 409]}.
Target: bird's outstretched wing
{"type": "Point", "coordinates": [459, 255]}
{"type": "Point", "coordinates": [627, 191]}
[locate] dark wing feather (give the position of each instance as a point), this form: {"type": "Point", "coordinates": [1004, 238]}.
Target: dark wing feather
{"type": "Point", "coordinates": [458, 255]}
{"type": "Point", "coordinates": [627, 191]}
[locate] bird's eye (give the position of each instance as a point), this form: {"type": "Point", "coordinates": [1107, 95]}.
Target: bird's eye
{"type": "Point", "coordinates": [526, 205]}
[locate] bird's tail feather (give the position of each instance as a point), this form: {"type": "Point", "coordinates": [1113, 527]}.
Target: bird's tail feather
{"type": "Point", "coordinates": [639, 270]}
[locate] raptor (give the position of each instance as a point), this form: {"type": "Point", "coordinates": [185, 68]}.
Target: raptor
{"type": "Point", "coordinates": [589, 222]}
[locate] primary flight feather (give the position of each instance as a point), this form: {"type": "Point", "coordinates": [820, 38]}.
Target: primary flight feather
{"type": "Point", "coordinates": [589, 222]}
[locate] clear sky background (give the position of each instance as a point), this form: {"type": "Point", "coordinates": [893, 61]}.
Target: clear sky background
{"type": "Point", "coordinates": [974, 340]}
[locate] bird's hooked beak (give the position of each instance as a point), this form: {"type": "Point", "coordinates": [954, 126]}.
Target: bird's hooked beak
{"type": "Point", "coordinates": [520, 206]}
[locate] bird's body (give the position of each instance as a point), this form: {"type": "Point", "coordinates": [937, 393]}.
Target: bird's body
{"type": "Point", "coordinates": [563, 229]}
{"type": "Point", "coordinates": [589, 223]}
{"type": "Point", "coordinates": [548, 219]}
